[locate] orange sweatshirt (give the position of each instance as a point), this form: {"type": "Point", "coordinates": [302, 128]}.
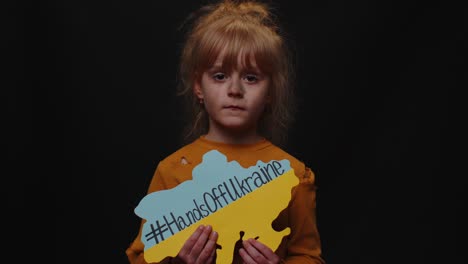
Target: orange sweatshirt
{"type": "Point", "coordinates": [301, 246]}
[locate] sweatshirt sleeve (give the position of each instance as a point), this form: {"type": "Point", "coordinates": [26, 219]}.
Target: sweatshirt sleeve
{"type": "Point", "coordinates": [303, 244]}
{"type": "Point", "coordinates": [136, 248]}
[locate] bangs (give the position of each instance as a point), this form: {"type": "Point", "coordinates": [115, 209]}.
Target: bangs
{"type": "Point", "coordinates": [231, 39]}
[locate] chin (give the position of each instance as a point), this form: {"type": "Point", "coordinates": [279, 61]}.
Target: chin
{"type": "Point", "coordinates": [236, 121]}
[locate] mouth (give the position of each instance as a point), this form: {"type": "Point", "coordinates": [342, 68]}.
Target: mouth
{"type": "Point", "coordinates": [234, 107]}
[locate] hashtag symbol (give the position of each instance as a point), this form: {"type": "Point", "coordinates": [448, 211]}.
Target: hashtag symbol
{"type": "Point", "coordinates": [156, 232]}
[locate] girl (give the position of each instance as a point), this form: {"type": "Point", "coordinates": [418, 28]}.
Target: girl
{"type": "Point", "coordinates": [235, 71]}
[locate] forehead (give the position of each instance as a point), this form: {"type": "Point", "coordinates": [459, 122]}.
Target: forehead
{"type": "Point", "coordinates": [241, 60]}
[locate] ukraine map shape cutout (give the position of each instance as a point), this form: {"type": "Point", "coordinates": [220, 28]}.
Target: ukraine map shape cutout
{"type": "Point", "coordinates": [224, 195]}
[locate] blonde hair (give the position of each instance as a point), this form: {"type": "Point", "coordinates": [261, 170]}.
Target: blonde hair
{"type": "Point", "coordinates": [238, 27]}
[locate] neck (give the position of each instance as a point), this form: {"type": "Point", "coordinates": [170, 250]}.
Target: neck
{"type": "Point", "coordinates": [233, 137]}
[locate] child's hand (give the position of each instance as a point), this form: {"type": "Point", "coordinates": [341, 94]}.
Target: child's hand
{"type": "Point", "coordinates": [200, 247]}
{"type": "Point", "coordinates": [254, 252]}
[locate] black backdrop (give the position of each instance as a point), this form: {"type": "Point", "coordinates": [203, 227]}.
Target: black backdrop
{"type": "Point", "coordinates": [93, 110]}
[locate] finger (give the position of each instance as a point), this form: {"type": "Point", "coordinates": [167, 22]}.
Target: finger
{"type": "Point", "coordinates": [188, 245]}
{"type": "Point", "coordinates": [210, 248]}
{"type": "Point", "coordinates": [212, 258]}
{"type": "Point", "coordinates": [264, 250]}
{"type": "Point", "coordinates": [253, 252]}
{"type": "Point", "coordinates": [200, 243]}
{"type": "Point", "coordinates": [246, 258]}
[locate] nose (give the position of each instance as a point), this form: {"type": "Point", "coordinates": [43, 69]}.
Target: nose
{"type": "Point", "coordinates": [235, 88]}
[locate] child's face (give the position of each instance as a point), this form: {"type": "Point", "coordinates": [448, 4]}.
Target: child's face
{"type": "Point", "coordinates": [234, 100]}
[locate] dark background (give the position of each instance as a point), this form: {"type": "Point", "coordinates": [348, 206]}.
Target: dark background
{"type": "Point", "coordinates": [93, 109]}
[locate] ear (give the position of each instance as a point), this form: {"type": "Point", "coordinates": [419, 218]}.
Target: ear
{"type": "Point", "coordinates": [197, 89]}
